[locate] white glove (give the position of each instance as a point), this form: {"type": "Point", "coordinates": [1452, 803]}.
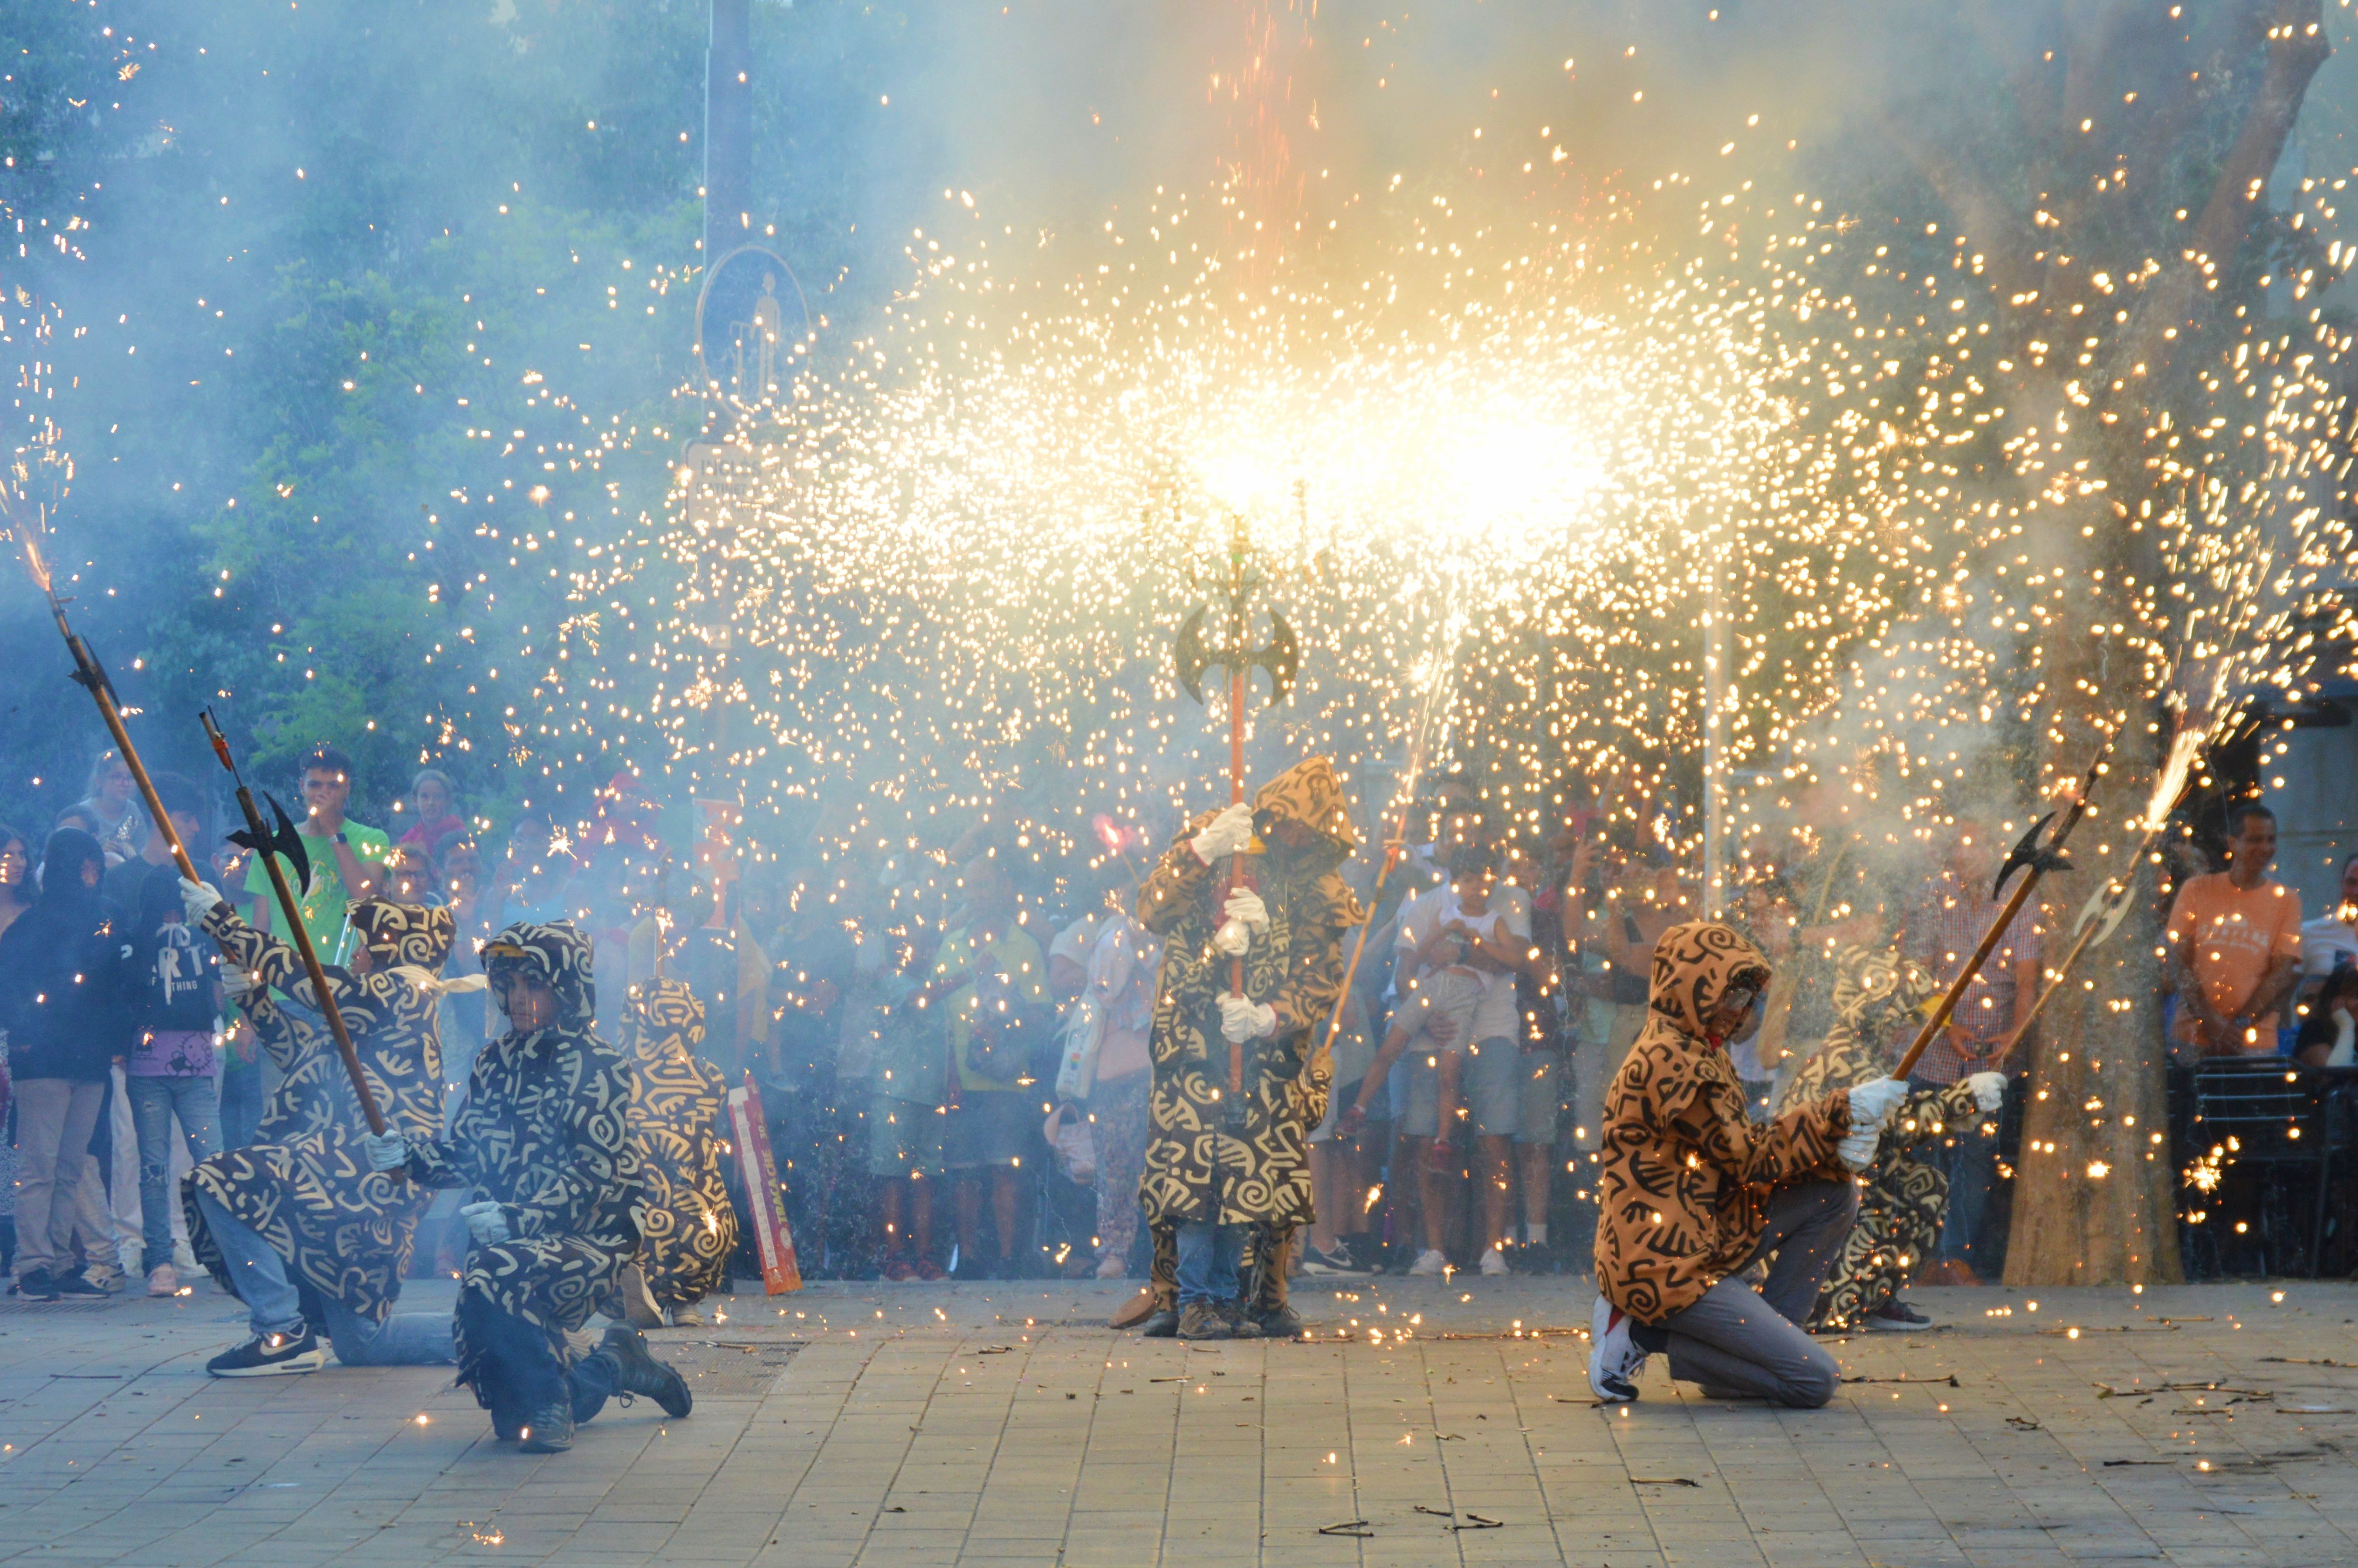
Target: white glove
{"type": "Point", "coordinates": [1872, 1103]}
{"type": "Point", "coordinates": [485, 1223]}
{"type": "Point", "coordinates": [1226, 834]}
{"type": "Point", "coordinates": [387, 1150]}
{"type": "Point", "coordinates": [236, 983]}
{"type": "Point", "coordinates": [1990, 1090]}
{"type": "Point", "coordinates": [1244, 904]}
{"type": "Point", "coordinates": [1241, 1020]}
{"type": "Point", "coordinates": [1232, 938]}
{"type": "Point", "coordinates": [1857, 1150]}
{"type": "Point", "coordinates": [197, 899]}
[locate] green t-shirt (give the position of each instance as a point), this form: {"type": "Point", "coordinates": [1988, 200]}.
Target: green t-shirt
{"type": "Point", "coordinates": [323, 905]}
{"type": "Point", "coordinates": [1014, 955]}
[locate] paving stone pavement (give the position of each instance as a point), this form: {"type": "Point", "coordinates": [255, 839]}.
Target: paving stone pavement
{"type": "Point", "coordinates": [920, 1426]}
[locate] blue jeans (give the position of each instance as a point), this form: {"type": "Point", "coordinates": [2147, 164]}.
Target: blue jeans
{"type": "Point", "coordinates": [240, 1103]}
{"type": "Point", "coordinates": [1209, 1257]}
{"type": "Point", "coordinates": [153, 1103]}
{"type": "Point", "coordinates": [1971, 1166]}
{"type": "Point", "coordinates": [273, 1305]}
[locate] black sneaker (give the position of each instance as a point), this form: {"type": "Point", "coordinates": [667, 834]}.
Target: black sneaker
{"type": "Point", "coordinates": [1240, 1325]}
{"type": "Point", "coordinates": [1895, 1314]}
{"type": "Point", "coordinates": [38, 1285]}
{"type": "Point", "coordinates": [548, 1430]}
{"type": "Point", "coordinates": [271, 1355]}
{"type": "Point", "coordinates": [1163, 1324]}
{"type": "Point", "coordinates": [1337, 1263]}
{"type": "Point", "coordinates": [77, 1284]}
{"type": "Point", "coordinates": [639, 1373]}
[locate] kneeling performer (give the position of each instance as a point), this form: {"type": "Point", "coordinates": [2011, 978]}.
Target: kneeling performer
{"type": "Point", "coordinates": [296, 1225]}
{"type": "Point", "coordinates": [544, 1139]}
{"type": "Point", "coordinates": [1692, 1193]}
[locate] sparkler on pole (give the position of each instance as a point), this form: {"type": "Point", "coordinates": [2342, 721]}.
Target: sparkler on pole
{"type": "Point", "coordinates": [267, 845]}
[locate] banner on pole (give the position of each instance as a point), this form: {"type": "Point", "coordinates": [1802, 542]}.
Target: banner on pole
{"type": "Point", "coordinates": [766, 1216]}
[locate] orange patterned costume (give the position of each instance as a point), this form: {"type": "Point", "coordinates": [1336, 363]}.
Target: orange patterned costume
{"type": "Point", "coordinates": [1686, 1179]}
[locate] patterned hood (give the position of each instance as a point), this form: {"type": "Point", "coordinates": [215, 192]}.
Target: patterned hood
{"type": "Point", "coordinates": [667, 1015]}
{"type": "Point", "coordinates": [560, 954]}
{"type": "Point", "coordinates": [399, 935]}
{"type": "Point", "coordinates": [1310, 794]}
{"type": "Point", "coordinates": [1694, 965]}
{"type": "Point", "coordinates": [1880, 998]}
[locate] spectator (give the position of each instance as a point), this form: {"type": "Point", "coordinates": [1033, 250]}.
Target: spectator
{"type": "Point", "coordinates": [112, 804]}
{"type": "Point", "coordinates": [63, 1001]}
{"type": "Point", "coordinates": [2329, 1035]}
{"type": "Point", "coordinates": [464, 1012]}
{"type": "Point", "coordinates": [409, 878]}
{"type": "Point", "coordinates": [15, 876]}
{"type": "Point", "coordinates": [240, 1057]}
{"type": "Point", "coordinates": [16, 897]}
{"type": "Point", "coordinates": [1942, 930]}
{"type": "Point", "coordinates": [991, 978]}
{"type": "Point", "coordinates": [347, 857]}
{"type": "Point", "coordinates": [434, 803]}
{"type": "Point", "coordinates": [169, 1073]}
{"type": "Point", "coordinates": [537, 878]}
{"type": "Point", "coordinates": [1124, 963]}
{"type": "Point", "coordinates": [1338, 1178]}
{"type": "Point", "coordinates": [907, 1064]}
{"type": "Point", "coordinates": [2331, 941]}
{"type": "Point", "coordinates": [184, 808]}
{"type": "Point", "coordinates": [2234, 946]}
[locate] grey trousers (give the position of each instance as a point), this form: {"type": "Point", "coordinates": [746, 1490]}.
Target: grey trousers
{"type": "Point", "coordinates": [1739, 1340]}
{"type": "Point", "coordinates": [54, 1120]}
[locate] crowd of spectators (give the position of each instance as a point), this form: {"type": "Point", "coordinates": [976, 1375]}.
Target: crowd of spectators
{"type": "Point", "coordinates": [951, 1042]}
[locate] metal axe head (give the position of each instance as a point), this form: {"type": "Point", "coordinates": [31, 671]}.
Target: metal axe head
{"type": "Point", "coordinates": [2028, 853]}
{"type": "Point", "coordinates": [1281, 658]}
{"type": "Point", "coordinates": [1188, 655]}
{"type": "Point", "coordinates": [281, 840]}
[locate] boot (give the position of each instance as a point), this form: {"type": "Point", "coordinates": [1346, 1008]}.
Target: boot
{"type": "Point", "coordinates": [1162, 1324]}
{"type": "Point", "coordinates": [549, 1429]}
{"type": "Point", "coordinates": [1240, 1325]}
{"type": "Point", "coordinates": [637, 1372]}
{"type": "Point", "coordinates": [1202, 1320]}
{"type": "Point", "coordinates": [1279, 1323]}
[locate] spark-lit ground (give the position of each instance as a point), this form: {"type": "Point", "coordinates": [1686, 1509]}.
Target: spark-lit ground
{"type": "Point", "coordinates": [911, 1425]}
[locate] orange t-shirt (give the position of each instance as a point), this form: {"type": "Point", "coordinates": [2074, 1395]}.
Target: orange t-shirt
{"type": "Point", "coordinates": [2239, 935]}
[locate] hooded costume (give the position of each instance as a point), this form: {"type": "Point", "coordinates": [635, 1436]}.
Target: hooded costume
{"type": "Point", "coordinates": [1685, 1179]}
{"type": "Point", "coordinates": [1878, 1002]}
{"type": "Point", "coordinates": [344, 1231]}
{"type": "Point", "coordinates": [1243, 1159]}
{"type": "Point", "coordinates": [676, 1102]}
{"type": "Point", "coordinates": [545, 1134]}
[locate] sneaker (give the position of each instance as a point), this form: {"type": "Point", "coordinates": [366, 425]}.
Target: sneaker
{"type": "Point", "coordinates": [1494, 1264]}
{"type": "Point", "coordinates": [548, 1430]}
{"type": "Point", "coordinates": [34, 1285]}
{"type": "Point", "coordinates": [1111, 1266]}
{"type": "Point", "coordinates": [1895, 1314]}
{"type": "Point", "coordinates": [163, 1280]}
{"type": "Point", "coordinates": [682, 1317]}
{"type": "Point", "coordinates": [639, 1372]}
{"type": "Point", "coordinates": [103, 1279]}
{"type": "Point", "coordinates": [1202, 1320]}
{"type": "Point", "coordinates": [1241, 1323]}
{"type": "Point", "coordinates": [78, 1284]}
{"type": "Point", "coordinates": [1338, 1263]}
{"type": "Point", "coordinates": [271, 1355]}
{"type": "Point", "coordinates": [1163, 1324]}
{"type": "Point", "coordinates": [1614, 1362]}
{"type": "Point", "coordinates": [1429, 1264]}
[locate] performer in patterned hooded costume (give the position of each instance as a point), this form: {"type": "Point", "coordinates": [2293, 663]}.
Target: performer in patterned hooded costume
{"type": "Point", "coordinates": [676, 1102]}
{"type": "Point", "coordinates": [1692, 1193]}
{"type": "Point", "coordinates": [1226, 1163]}
{"type": "Point", "coordinates": [1879, 1001]}
{"type": "Point", "coordinates": [295, 1224]}
{"type": "Point", "coordinates": [543, 1140]}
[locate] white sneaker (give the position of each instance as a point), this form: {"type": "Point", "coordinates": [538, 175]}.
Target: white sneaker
{"type": "Point", "coordinates": [1494, 1264]}
{"type": "Point", "coordinates": [1614, 1362]}
{"type": "Point", "coordinates": [1429, 1264]}
{"type": "Point", "coordinates": [163, 1282]}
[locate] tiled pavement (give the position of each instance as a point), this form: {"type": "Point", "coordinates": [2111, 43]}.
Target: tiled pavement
{"type": "Point", "coordinates": [908, 1426]}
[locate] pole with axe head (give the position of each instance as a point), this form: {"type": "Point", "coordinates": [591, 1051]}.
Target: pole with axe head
{"type": "Point", "coordinates": [2039, 860]}
{"type": "Point", "coordinates": [1281, 658]}
{"type": "Point", "coordinates": [268, 844]}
